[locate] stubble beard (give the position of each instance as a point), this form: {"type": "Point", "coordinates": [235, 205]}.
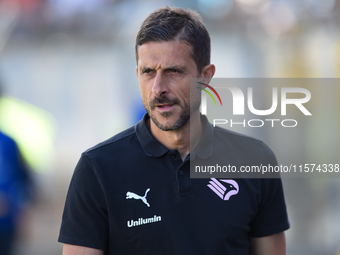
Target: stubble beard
{"type": "Point", "coordinates": [183, 118]}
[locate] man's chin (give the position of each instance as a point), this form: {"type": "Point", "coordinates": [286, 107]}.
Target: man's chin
{"type": "Point", "coordinates": [164, 115]}
{"type": "Point", "coordinates": [164, 124]}
{"type": "Point", "coordinates": [169, 123]}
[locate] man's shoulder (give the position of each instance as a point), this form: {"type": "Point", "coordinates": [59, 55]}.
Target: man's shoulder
{"type": "Point", "coordinates": [5, 138]}
{"type": "Point", "coordinates": [248, 144]}
{"type": "Point", "coordinates": [115, 141]}
{"type": "Point", "coordinates": [236, 137]}
{"type": "Point", "coordinates": [7, 143]}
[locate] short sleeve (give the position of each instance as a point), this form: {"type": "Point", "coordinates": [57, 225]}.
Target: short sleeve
{"type": "Point", "coordinates": [271, 217]}
{"type": "Point", "coordinates": [85, 220]}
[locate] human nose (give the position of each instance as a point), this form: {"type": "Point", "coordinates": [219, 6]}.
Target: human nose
{"type": "Point", "coordinates": [159, 87]}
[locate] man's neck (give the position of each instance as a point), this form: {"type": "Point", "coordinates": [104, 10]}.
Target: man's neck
{"type": "Point", "coordinates": [179, 139]}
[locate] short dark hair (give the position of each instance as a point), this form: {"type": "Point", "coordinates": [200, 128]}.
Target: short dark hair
{"type": "Point", "coordinates": [171, 23]}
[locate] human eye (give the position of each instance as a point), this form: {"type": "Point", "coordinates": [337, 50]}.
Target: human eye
{"type": "Point", "coordinates": [174, 71]}
{"type": "Point", "coordinates": [146, 70]}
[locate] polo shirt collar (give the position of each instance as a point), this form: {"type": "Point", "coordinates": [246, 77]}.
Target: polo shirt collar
{"type": "Point", "coordinates": [149, 144]}
{"type": "Point", "coordinates": [152, 147]}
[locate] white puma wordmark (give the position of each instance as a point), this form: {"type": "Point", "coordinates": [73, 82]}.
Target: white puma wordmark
{"type": "Point", "coordinates": [130, 195]}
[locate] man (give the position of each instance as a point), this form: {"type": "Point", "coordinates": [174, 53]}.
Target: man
{"type": "Point", "coordinates": [15, 189]}
{"type": "Point", "coordinates": [132, 194]}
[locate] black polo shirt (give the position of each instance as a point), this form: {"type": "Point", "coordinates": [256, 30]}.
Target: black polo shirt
{"type": "Point", "coordinates": [132, 195]}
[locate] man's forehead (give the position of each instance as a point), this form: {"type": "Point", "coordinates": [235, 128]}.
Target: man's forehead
{"type": "Point", "coordinates": [170, 52]}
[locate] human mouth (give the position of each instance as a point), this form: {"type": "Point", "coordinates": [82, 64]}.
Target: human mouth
{"type": "Point", "coordinates": [164, 107]}
{"type": "Point", "coordinates": [163, 104]}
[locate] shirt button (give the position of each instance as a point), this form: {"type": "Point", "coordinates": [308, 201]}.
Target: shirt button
{"type": "Point", "coordinates": [180, 172]}
{"type": "Point", "coordinates": [172, 156]}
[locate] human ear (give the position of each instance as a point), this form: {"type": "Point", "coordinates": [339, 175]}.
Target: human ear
{"type": "Point", "coordinates": [208, 72]}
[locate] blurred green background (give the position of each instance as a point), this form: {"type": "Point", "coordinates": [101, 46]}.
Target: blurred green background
{"type": "Point", "coordinates": [67, 70]}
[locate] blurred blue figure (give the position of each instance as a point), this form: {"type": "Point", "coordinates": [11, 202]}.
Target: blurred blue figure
{"type": "Point", "coordinates": [14, 191]}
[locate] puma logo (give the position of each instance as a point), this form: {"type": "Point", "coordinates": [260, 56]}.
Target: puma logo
{"type": "Point", "coordinates": [130, 195]}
